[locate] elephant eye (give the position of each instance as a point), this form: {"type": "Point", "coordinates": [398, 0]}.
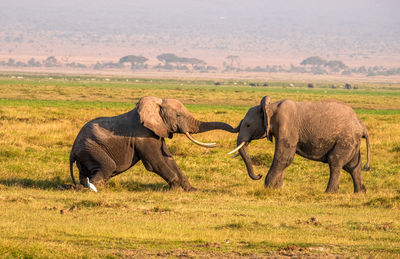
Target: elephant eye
{"type": "Point", "coordinates": [248, 125]}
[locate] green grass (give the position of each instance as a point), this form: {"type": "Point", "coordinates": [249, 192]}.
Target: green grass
{"type": "Point", "coordinates": [230, 215]}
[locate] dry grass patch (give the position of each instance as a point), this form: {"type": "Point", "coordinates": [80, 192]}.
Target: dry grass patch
{"type": "Point", "coordinates": [135, 215]}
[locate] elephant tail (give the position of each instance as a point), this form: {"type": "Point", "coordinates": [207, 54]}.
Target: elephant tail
{"type": "Point", "coordinates": [71, 168]}
{"type": "Point", "coordinates": [366, 136]}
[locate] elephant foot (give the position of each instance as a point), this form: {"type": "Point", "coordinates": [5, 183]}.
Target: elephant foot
{"type": "Point", "coordinates": [366, 168]}
{"type": "Point", "coordinates": [96, 180]}
{"type": "Point", "coordinates": [190, 189]}
{"type": "Point", "coordinates": [361, 189]}
{"type": "Point", "coordinates": [174, 186]}
{"type": "Point", "coordinates": [274, 180]}
{"type": "Point", "coordinates": [274, 184]}
{"type": "Point", "coordinates": [79, 187]}
{"type": "Point", "coordinates": [332, 189]}
{"type": "Point", "coordinates": [185, 188]}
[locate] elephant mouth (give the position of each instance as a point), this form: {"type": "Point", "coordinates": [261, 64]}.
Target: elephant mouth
{"type": "Point", "coordinates": [202, 144]}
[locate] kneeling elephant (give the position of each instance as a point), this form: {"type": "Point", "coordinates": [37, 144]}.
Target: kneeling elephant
{"type": "Point", "coordinates": [108, 146]}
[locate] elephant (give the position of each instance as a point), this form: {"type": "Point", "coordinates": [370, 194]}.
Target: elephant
{"type": "Point", "coordinates": [108, 146]}
{"type": "Point", "coordinates": [325, 131]}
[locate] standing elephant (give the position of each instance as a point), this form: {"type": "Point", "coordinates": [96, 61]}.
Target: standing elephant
{"type": "Point", "coordinates": [108, 146]}
{"type": "Point", "coordinates": [325, 131]}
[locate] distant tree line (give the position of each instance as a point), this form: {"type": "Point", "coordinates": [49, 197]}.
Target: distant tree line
{"type": "Point", "coordinates": [48, 62]}
{"type": "Point", "coordinates": [232, 63]}
{"type": "Point", "coordinates": [318, 66]}
{"type": "Point", "coordinates": [168, 61]}
{"type": "Point", "coordinates": [171, 61]}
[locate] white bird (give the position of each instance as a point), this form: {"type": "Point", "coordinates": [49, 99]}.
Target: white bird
{"type": "Point", "coordinates": [90, 185]}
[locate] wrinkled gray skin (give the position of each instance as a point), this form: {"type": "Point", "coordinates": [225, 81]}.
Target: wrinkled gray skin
{"type": "Point", "coordinates": [325, 131]}
{"type": "Point", "coordinates": [108, 146]}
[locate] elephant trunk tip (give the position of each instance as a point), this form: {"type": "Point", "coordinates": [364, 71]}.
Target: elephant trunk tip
{"type": "Point", "coordinates": [246, 158]}
{"type": "Point", "coordinates": [258, 177]}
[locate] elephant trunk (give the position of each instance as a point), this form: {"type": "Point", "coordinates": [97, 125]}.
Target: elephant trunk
{"type": "Point", "coordinates": [207, 126]}
{"type": "Point", "coordinates": [197, 126]}
{"type": "Point", "coordinates": [246, 158]}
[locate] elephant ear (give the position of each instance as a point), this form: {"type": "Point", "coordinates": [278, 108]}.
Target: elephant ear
{"type": "Point", "coordinates": [265, 101]}
{"type": "Point", "coordinates": [149, 109]}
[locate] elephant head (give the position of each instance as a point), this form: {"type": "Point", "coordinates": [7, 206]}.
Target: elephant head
{"type": "Point", "coordinates": [255, 125]}
{"type": "Point", "coordinates": [164, 117]}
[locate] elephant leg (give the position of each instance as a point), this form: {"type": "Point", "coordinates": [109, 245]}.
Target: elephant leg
{"type": "Point", "coordinates": [184, 182]}
{"type": "Point", "coordinates": [99, 168]}
{"type": "Point", "coordinates": [161, 167]}
{"type": "Point", "coordinates": [354, 168]}
{"type": "Point", "coordinates": [155, 159]}
{"type": "Point", "coordinates": [337, 157]}
{"type": "Point", "coordinates": [334, 173]}
{"type": "Point", "coordinates": [283, 157]}
{"type": "Point", "coordinates": [83, 171]}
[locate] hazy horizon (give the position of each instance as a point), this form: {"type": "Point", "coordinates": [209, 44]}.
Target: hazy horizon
{"type": "Point", "coordinates": [255, 30]}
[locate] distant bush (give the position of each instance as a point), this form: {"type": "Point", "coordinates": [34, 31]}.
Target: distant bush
{"type": "Point", "coordinates": [75, 65]}
{"type": "Point", "coordinates": [33, 63]}
{"type": "Point", "coordinates": [173, 62]}
{"type": "Point", "coordinates": [104, 65]}
{"type": "Point", "coordinates": [137, 62]}
{"type": "Point", "coordinates": [314, 61]}
{"type": "Point", "coordinates": [51, 62]}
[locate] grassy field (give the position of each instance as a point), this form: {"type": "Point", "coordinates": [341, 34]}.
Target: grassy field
{"type": "Point", "coordinates": [230, 215]}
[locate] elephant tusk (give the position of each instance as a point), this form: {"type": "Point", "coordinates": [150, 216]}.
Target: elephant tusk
{"type": "Point", "coordinates": [90, 185]}
{"type": "Point", "coordinates": [237, 148]}
{"type": "Point", "coordinates": [209, 145]}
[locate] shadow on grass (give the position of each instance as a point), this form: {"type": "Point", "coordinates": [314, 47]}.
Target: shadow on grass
{"type": "Point", "coordinates": [57, 184]}
{"type": "Point", "coordinates": [49, 184]}
{"type": "Point", "coordinates": [135, 186]}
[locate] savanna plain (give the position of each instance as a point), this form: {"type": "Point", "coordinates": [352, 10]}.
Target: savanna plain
{"type": "Point", "coordinates": [230, 215]}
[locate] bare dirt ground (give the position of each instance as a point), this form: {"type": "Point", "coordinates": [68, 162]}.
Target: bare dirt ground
{"type": "Point", "coordinates": [212, 252]}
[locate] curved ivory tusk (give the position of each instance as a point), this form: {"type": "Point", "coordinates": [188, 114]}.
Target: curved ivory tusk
{"type": "Point", "coordinates": [237, 148]}
{"type": "Point", "coordinates": [209, 145]}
